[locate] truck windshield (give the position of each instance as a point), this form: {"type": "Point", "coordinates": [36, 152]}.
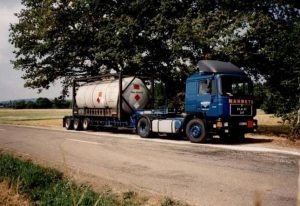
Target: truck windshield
{"type": "Point", "coordinates": [236, 86]}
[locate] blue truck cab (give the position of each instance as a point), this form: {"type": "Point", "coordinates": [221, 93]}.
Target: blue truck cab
{"type": "Point", "coordinates": [219, 101]}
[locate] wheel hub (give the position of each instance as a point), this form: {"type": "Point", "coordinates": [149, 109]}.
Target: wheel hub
{"type": "Point", "coordinates": [195, 131]}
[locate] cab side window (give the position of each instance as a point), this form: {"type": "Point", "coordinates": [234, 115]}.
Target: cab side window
{"type": "Point", "coordinates": [205, 87]}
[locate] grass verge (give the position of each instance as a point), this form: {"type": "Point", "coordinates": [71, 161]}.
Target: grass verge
{"type": "Point", "coordinates": [10, 197]}
{"type": "Point", "coordinates": [47, 186]}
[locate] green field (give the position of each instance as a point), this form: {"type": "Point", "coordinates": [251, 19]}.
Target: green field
{"type": "Point", "coordinates": [34, 117]}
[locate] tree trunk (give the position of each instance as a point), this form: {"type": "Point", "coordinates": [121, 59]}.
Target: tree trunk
{"type": "Point", "coordinates": [298, 119]}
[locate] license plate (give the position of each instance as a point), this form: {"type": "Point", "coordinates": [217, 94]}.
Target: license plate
{"type": "Point", "coordinates": [240, 110]}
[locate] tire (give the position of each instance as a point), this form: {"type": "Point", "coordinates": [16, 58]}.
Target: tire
{"type": "Point", "coordinates": [77, 124]}
{"type": "Point", "coordinates": [86, 124]}
{"type": "Point", "coordinates": [69, 123]}
{"type": "Point", "coordinates": [143, 128]}
{"type": "Point", "coordinates": [195, 131]}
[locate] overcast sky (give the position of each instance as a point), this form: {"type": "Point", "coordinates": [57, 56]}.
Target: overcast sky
{"type": "Point", "coordinates": [11, 83]}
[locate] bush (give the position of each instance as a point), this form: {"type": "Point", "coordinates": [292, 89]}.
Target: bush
{"type": "Point", "coordinates": [272, 102]}
{"type": "Point", "coordinates": [168, 202]}
{"type": "Point", "coordinates": [292, 118]}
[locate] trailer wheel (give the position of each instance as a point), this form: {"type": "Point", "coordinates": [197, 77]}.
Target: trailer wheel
{"type": "Point", "coordinates": [144, 127]}
{"type": "Point", "coordinates": [86, 123]}
{"type": "Point", "coordinates": [77, 124]}
{"type": "Point", "coordinates": [195, 131]}
{"type": "Point", "coordinates": [68, 124]}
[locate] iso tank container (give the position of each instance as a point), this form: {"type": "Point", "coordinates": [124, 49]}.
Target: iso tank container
{"type": "Point", "coordinates": [105, 94]}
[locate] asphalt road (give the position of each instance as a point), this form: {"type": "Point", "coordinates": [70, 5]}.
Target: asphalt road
{"type": "Point", "coordinates": [194, 173]}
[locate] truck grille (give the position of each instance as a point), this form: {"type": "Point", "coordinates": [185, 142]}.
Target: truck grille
{"type": "Point", "coordinates": [241, 110]}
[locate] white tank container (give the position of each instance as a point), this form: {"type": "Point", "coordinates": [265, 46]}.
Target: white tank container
{"type": "Point", "coordinates": [105, 94]}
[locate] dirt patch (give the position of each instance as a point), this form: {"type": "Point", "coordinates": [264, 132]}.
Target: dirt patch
{"type": "Point", "coordinates": [10, 197]}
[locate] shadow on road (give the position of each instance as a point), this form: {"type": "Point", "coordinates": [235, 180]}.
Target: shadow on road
{"type": "Point", "coordinates": [248, 140]}
{"type": "Point", "coordinates": [176, 137]}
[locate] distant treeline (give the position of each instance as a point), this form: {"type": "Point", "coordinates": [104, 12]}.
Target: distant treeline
{"type": "Point", "coordinates": [40, 103]}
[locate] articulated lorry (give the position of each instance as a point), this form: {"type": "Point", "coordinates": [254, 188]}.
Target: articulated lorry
{"type": "Point", "coordinates": [218, 103]}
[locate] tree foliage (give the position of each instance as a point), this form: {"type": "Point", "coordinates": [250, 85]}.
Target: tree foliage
{"type": "Point", "coordinates": [64, 39]}
{"type": "Point", "coordinates": [20, 105]}
{"type": "Point", "coordinates": [43, 103]}
{"type": "Point", "coordinates": [40, 103]}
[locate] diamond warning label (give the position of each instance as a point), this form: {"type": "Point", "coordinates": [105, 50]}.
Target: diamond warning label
{"type": "Point", "coordinates": [137, 97]}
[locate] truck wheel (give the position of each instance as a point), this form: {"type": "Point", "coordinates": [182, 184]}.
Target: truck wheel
{"type": "Point", "coordinates": [195, 131]}
{"type": "Point", "coordinates": [144, 127]}
{"type": "Point", "coordinates": [86, 124]}
{"type": "Point", "coordinates": [68, 124]}
{"type": "Point", "coordinates": [77, 124]}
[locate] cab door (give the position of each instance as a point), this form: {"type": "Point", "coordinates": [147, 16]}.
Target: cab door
{"type": "Point", "coordinates": [207, 96]}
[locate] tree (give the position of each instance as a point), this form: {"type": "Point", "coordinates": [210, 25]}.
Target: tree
{"type": "Point", "coordinates": [43, 103]}
{"type": "Point", "coordinates": [61, 103]}
{"type": "Point", "coordinates": [20, 104]}
{"type": "Point", "coordinates": [65, 39]}
{"type": "Point", "coordinates": [31, 105]}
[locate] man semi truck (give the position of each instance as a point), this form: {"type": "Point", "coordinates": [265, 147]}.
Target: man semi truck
{"type": "Point", "coordinates": [218, 103]}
